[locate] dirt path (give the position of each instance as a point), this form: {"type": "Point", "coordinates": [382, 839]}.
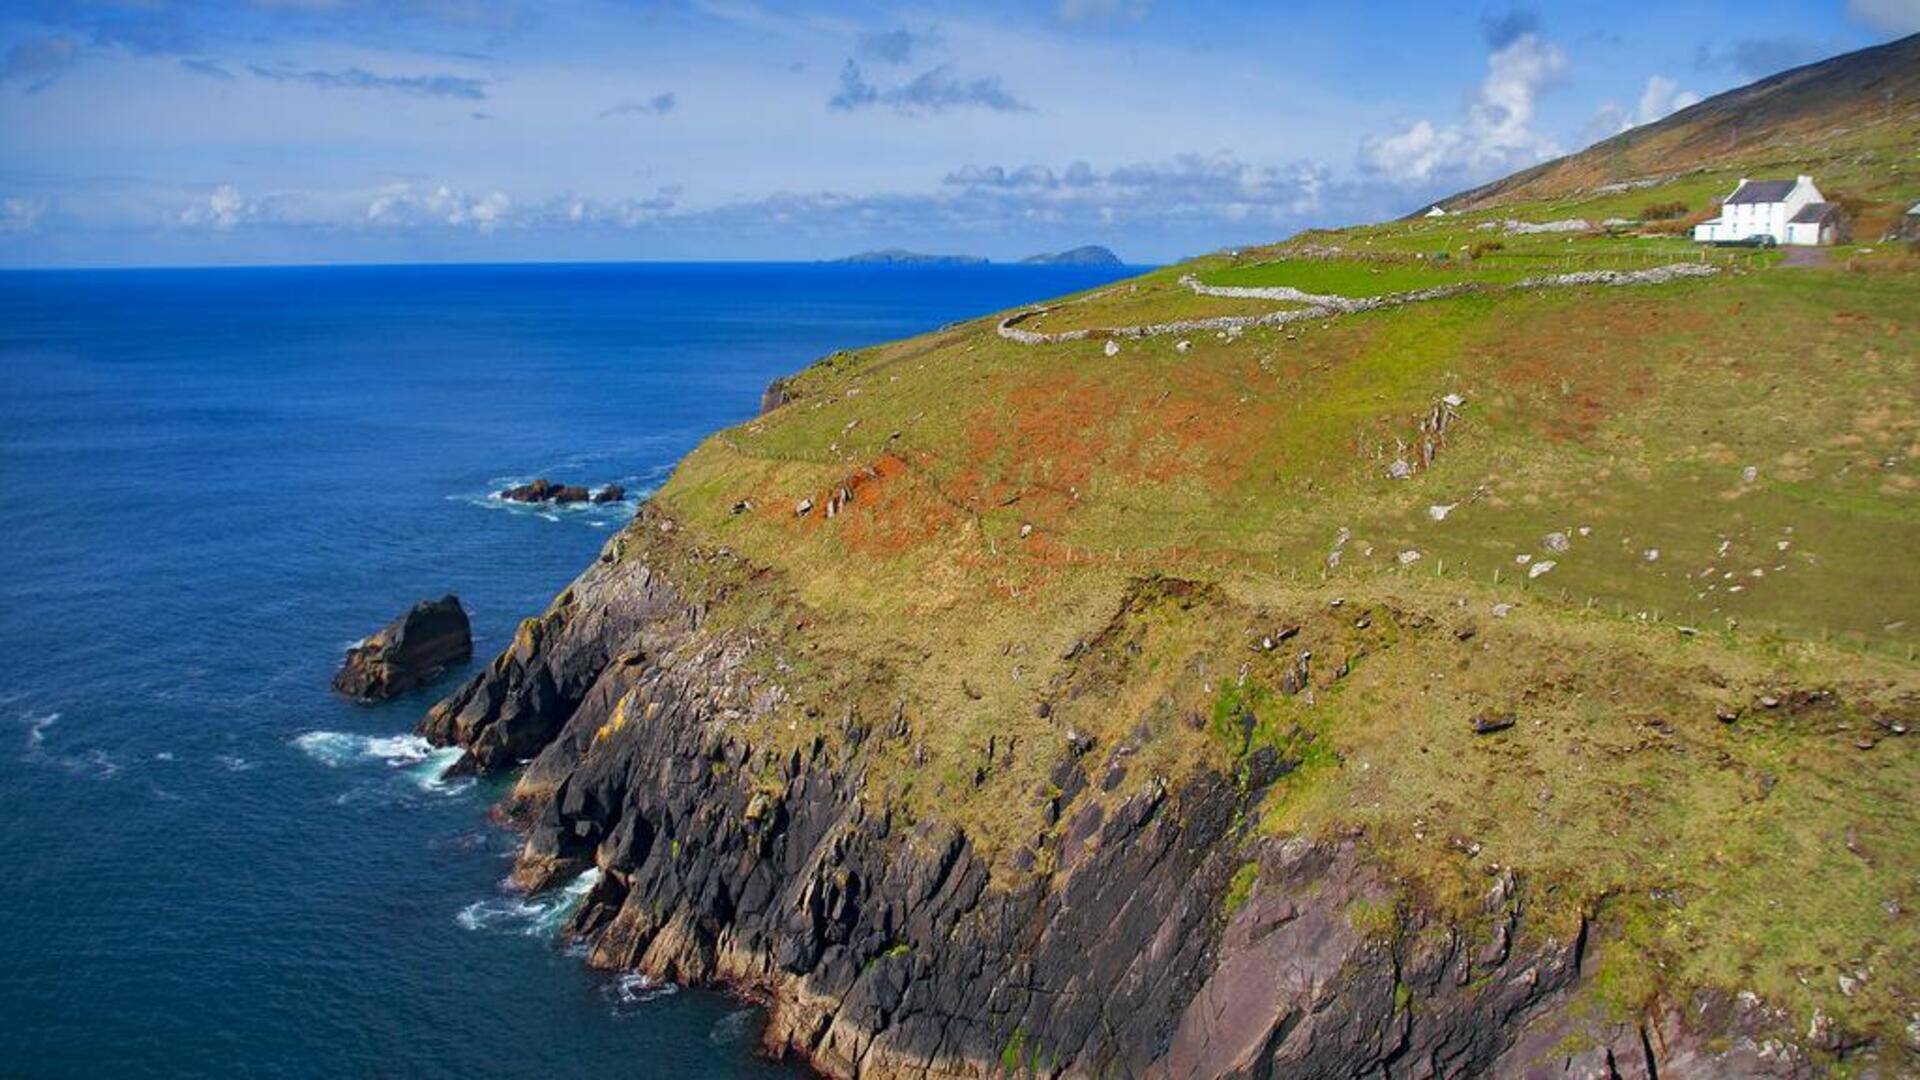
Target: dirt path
{"type": "Point", "coordinates": [1804, 256]}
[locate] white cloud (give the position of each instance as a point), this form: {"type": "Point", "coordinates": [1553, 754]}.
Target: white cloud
{"type": "Point", "coordinates": [222, 209]}
{"type": "Point", "coordinates": [405, 205]}
{"type": "Point", "coordinates": [1893, 16]}
{"type": "Point", "coordinates": [1661, 99]}
{"type": "Point", "coordinates": [1495, 135]}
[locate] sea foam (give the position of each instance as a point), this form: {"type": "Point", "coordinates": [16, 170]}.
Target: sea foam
{"type": "Point", "coordinates": [534, 916]}
{"type": "Point", "coordinates": [424, 762]}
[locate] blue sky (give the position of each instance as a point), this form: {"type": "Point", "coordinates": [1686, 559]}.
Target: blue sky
{"type": "Point", "coordinates": [148, 132]}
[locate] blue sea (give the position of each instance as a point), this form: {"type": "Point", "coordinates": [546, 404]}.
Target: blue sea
{"type": "Point", "coordinates": [214, 481]}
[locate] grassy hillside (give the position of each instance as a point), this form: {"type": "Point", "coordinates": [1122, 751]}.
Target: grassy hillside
{"type": "Point", "coordinates": [1668, 530]}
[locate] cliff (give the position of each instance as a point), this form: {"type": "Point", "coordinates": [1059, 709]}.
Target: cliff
{"type": "Point", "coordinates": [1165, 936]}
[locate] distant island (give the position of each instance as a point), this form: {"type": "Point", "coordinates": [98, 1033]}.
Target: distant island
{"type": "Point", "coordinates": [1088, 255]}
{"type": "Point", "coordinates": [903, 257]}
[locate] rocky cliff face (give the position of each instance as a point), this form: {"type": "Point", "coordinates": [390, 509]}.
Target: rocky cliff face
{"type": "Point", "coordinates": [1162, 937]}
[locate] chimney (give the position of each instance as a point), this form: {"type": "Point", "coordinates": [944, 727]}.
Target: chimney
{"type": "Point", "coordinates": [1805, 179]}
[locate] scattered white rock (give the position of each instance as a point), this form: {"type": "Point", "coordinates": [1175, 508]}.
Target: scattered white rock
{"type": "Point", "coordinates": [1182, 345]}
{"type": "Point", "coordinates": [1026, 530]}
{"type": "Point", "coordinates": [1454, 400]}
{"type": "Point", "coordinates": [1500, 610]}
{"type": "Point", "coordinates": [803, 508]}
{"type": "Point", "coordinates": [1399, 470]}
{"type": "Point", "coordinates": [1586, 530]}
{"type": "Point", "coordinates": [1408, 558]}
{"type": "Point", "coordinates": [1556, 542]}
{"type": "Point", "coordinates": [1439, 512]}
{"type": "Point", "coordinates": [1333, 559]}
{"type": "Point", "coordinates": [1540, 567]}
{"type": "Point", "coordinates": [1750, 474]}
{"type": "Point", "coordinates": [1522, 559]}
{"type": "Point", "coordinates": [1651, 554]}
{"type": "Point", "coordinates": [1111, 348]}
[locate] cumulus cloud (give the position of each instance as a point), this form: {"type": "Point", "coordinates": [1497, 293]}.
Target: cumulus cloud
{"type": "Point", "coordinates": [354, 78]}
{"type": "Point", "coordinates": [1892, 16]}
{"type": "Point", "coordinates": [657, 105]}
{"type": "Point", "coordinates": [221, 210]}
{"type": "Point", "coordinates": [403, 204]}
{"type": "Point", "coordinates": [37, 62]}
{"type": "Point", "coordinates": [1097, 11]}
{"type": "Point", "coordinates": [1496, 133]}
{"type": "Point", "coordinates": [932, 91]}
{"type": "Point", "coordinates": [1219, 185]}
{"type": "Point", "coordinates": [1662, 98]}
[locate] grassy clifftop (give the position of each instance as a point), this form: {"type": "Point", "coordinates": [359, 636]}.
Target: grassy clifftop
{"type": "Point", "coordinates": [1668, 531]}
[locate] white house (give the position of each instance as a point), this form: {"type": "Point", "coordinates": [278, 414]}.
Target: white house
{"type": "Point", "coordinates": [1436, 210]}
{"type": "Point", "coordinates": [1784, 211]}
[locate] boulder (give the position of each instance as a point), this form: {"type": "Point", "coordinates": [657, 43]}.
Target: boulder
{"type": "Point", "coordinates": [409, 651]}
{"type": "Point", "coordinates": [612, 493]}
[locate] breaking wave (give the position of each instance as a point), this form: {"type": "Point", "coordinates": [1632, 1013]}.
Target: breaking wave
{"type": "Point", "coordinates": [631, 990]}
{"type": "Point", "coordinates": [425, 763]}
{"type": "Point", "coordinates": [534, 916]}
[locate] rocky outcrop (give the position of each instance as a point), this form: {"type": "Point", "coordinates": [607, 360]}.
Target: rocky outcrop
{"type": "Point", "coordinates": [515, 708]}
{"type": "Point", "coordinates": [544, 490]}
{"type": "Point", "coordinates": [408, 652]}
{"type": "Point", "coordinates": [777, 393]}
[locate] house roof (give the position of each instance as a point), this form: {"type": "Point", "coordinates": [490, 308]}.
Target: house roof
{"type": "Point", "coordinates": [1815, 212]}
{"type": "Point", "coordinates": [1761, 191]}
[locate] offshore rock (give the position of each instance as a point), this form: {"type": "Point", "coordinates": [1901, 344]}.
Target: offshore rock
{"type": "Point", "coordinates": [408, 652]}
{"type": "Point", "coordinates": [544, 490]}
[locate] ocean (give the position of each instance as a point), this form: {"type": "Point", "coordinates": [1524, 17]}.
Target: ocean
{"type": "Point", "coordinates": [217, 480]}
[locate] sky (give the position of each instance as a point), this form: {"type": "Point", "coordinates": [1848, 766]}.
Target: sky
{"type": "Point", "coordinates": [152, 132]}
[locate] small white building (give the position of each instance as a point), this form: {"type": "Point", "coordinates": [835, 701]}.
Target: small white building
{"type": "Point", "coordinates": [1783, 211]}
{"type": "Point", "coordinates": [1436, 210]}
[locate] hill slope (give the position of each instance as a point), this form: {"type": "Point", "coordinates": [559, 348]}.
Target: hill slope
{"type": "Point", "coordinates": [1481, 644]}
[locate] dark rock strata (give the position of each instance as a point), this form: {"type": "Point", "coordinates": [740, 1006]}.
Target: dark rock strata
{"type": "Point", "coordinates": [1160, 937]}
{"type": "Point", "coordinates": [408, 652]}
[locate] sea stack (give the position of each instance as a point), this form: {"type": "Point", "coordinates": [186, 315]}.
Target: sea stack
{"type": "Point", "coordinates": [432, 636]}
